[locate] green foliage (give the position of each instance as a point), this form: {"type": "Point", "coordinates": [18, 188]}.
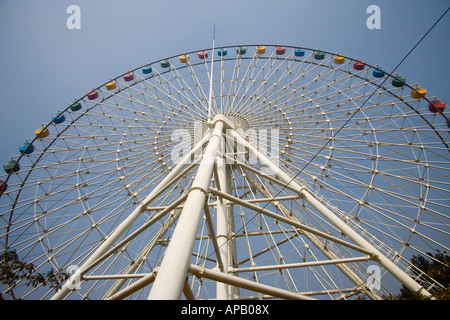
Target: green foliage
{"type": "Point", "coordinates": [438, 269]}
{"type": "Point", "coordinates": [13, 270]}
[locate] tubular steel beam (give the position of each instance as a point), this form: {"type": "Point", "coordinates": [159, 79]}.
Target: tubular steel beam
{"type": "Point", "coordinates": [244, 283]}
{"type": "Point", "coordinates": [128, 222]}
{"type": "Point", "coordinates": [213, 236]}
{"type": "Point", "coordinates": [290, 221]}
{"type": "Point", "coordinates": [300, 264]}
{"type": "Point", "coordinates": [172, 272]}
{"type": "Point", "coordinates": [345, 229]}
{"type": "Point", "coordinates": [141, 283]}
{"type": "Point", "coordinates": [222, 290]}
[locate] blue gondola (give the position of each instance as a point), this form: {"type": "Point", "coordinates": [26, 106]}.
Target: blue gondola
{"type": "Point", "coordinates": [299, 52]}
{"type": "Point", "coordinates": [147, 70]}
{"type": "Point", "coordinates": [58, 118]}
{"type": "Point", "coordinates": [222, 52]}
{"type": "Point", "coordinates": [378, 73]}
{"type": "Point", "coordinates": [26, 148]}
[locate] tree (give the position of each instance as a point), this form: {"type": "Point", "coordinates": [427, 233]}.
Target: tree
{"type": "Point", "coordinates": [438, 269]}
{"type": "Point", "coordinates": [13, 270]}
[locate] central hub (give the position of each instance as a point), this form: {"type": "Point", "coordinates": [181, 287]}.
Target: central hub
{"type": "Point", "coordinates": [227, 123]}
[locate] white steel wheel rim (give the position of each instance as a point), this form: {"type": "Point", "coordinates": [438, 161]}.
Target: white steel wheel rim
{"type": "Point", "coordinates": [384, 172]}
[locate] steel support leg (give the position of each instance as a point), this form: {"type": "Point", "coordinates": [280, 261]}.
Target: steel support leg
{"type": "Point", "coordinates": [392, 268]}
{"type": "Point", "coordinates": [172, 273]}
{"type": "Point", "coordinates": [222, 225]}
{"type": "Point", "coordinates": [125, 224]}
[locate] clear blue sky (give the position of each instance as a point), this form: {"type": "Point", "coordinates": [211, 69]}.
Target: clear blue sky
{"type": "Point", "coordinates": [45, 66]}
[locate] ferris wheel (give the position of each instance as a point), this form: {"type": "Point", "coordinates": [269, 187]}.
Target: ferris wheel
{"type": "Point", "coordinates": [247, 172]}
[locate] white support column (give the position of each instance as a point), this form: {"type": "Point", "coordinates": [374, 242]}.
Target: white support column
{"type": "Point", "coordinates": [232, 251]}
{"type": "Point", "coordinates": [392, 268]}
{"type": "Point", "coordinates": [172, 272]}
{"type": "Point", "coordinates": [125, 224]}
{"type": "Point", "coordinates": [222, 224]}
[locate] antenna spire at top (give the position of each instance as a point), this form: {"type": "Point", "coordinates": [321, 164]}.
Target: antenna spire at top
{"type": "Point", "coordinates": [211, 77]}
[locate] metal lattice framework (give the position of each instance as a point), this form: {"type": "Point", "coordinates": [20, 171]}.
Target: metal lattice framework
{"type": "Point", "coordinates": [253, 171]}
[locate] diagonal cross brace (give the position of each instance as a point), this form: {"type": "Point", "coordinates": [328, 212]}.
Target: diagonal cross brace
{"type": "Point", "coordinates": [346, 230]}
